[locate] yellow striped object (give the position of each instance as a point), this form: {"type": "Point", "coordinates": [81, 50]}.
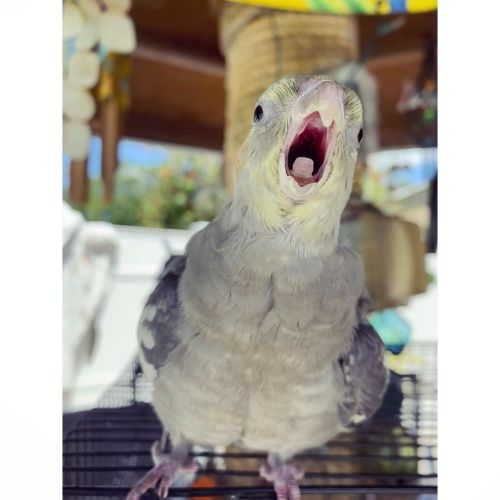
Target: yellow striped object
{"type": "Point", "coordinates": [347, 6]}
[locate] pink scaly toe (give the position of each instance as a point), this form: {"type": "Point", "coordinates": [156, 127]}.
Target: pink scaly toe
{"type": "Point", "coordinates": [167, 467]}
{"type": "Point", "coordinates": [284, 477]}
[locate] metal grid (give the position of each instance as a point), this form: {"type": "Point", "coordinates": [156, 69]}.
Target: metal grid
{"type": "Point", "coordinates": [393, 456]}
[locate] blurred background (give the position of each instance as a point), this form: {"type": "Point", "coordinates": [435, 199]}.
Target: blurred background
{"type": "Point", "coordinates": [158, 96]}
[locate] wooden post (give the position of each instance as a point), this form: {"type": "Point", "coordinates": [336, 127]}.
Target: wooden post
{"type": "Point", "coordinates": [110, 119]}
{"type": "Point", "coordinates": [79, 182]}
{"type": "Point", "coordinates": [263, 45]}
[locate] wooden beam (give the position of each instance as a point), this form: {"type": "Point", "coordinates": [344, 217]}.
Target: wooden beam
{"type": "Point", "coordinates": [110, 127]}
{"type": "Point", "coordinates": [180, 106]}
{"type": "Point", "coordinates": [78, 182]}
{"type": "Point", "coordinates": [400, 58]}
{"type": "Point", "coordinates": [185, 23]}
{"type": "Point", "coordinates": [164, 53]}
{"type": "Point", "coordinates": [150, 127]}
{"type": "Point", "coordinates": [416, 29]}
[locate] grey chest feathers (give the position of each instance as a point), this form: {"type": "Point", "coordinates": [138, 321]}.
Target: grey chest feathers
{"type": "Point", "coordinates": [243, 343]}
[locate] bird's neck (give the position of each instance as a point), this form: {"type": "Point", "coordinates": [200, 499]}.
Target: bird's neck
{"type": "Point", "coordinates": [311, 228]}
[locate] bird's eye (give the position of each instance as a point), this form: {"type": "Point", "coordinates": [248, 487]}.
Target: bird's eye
{"type": "Point", "coordinates": [360, 135]}
{"type": "Point", "coordinates": [258, 114]}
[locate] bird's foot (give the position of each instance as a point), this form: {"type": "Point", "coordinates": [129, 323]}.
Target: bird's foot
{"type": "Point", "coordinates": [167, 467]}
{"type": "Point", "coordinates": [285, 477]}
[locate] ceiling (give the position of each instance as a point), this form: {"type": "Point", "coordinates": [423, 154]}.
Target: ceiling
{"type": "Point", "coordinates": [177, 81]}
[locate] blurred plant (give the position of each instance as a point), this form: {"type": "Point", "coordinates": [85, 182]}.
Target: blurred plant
{"type": "Point", "coordinates": [174, 196]}
{"type": "Point", "coordinates": [207, 202]}
{"type": "Point", "coordinates": [170, 203]}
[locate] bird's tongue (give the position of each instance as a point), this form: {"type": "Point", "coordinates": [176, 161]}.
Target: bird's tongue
{"type": "Point", "coordinates": [303, 167]}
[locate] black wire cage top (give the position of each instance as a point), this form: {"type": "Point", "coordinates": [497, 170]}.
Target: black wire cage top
{"type": "Point", "coordinates": [393, 455]}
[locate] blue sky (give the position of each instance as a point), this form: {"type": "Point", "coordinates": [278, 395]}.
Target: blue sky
{"type": "Point", "coordinates": [130, 153]}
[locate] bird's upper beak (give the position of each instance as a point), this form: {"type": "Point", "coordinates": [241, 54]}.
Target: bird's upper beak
{"type": "Point", "coordinates": [317, 116]}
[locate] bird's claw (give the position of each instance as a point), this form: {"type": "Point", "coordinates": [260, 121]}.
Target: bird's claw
{"type": "Point", "coordinates": [284, 477]}
{"type": "Point", "coordinates": [162, 475]}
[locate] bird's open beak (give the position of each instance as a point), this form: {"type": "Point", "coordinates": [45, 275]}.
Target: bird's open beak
{"type": "Point", "coordinates": [309, 146]}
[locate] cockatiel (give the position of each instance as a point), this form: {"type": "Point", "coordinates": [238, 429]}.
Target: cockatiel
{"type": "Point", "coordinates": [257, 336]}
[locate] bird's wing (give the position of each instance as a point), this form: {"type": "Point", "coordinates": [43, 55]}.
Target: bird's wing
{"type": "Point", "coordinates": [364, 375]}
{"type": "Point", "coordinates": [159, 321]}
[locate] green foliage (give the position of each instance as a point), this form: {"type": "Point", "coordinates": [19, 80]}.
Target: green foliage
{"type": "Point", "coordinates": [188, 189]}
{"type": "Point", "coordinates": [170, 204]}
